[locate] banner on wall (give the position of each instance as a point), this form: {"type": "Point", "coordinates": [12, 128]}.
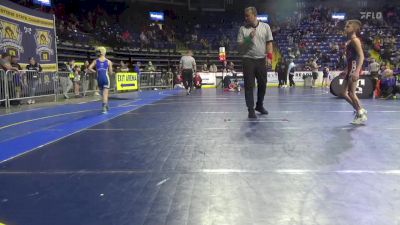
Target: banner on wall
{"type": "Point", "coordinates": [26, 33]}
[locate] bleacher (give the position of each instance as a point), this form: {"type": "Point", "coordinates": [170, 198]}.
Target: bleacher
{"type": "Point", "coordinates": [162, 58]}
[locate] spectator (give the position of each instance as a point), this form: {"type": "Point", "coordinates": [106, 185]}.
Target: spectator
{"type": "Point", "coordinates": [314, 69]}
{"type": "Point", "coordinates": [5, 62]}
{"type": "Point", "coordinates": [231, 69]}
{"type": "Point", "coordinates": [137, 69]}
{"type": "Point", "coordinates": [389, 89]}
{"type": "Point", "coordinates": [382, 69]}
{"type": "Point", "coordinates": [33, 77]}
{"type": "Point", "coordinates": [342, 61]}
{"type": "Point", "coordinates": [334, 48]}
{"type": "Point", "coordinates": [86, 78]}
{"type": "Point", "coordinates": [213, 68]}
{"type": "Point", "coordinates": [225, 66]}
{"type": "Point", "coordinates": [373, 69]}
{"type": "Point", "coordinates": [14, 63]}
{"type": "Point", "coordinates": [65, 78]}
{"type": "Point", "coordinates": [77, 81]}
{"type": "Point", "coordinates": [205, 68]}
{"type": "Point", "coordinates": [15, 85]}
{"type": "Point", "coordinates": [281, 70]}
{"type": "Point", "coordinates": [178, 82]}
{"type": "Point", "coordinates": [124, 67]}
{"type": "Point", "coordinates": [290, 40]}
{"type": "Point", "coordinates": [197, 81]}
{"type": "Point", "coordinates": [150, 67]}
{"type": "Point", "coordinates": [144, 41]}
{"type": "Point", "coordinates": [290, 73]}
{"type": "Point", "coordinates": [169, 76]}
{"type": "Point", "coordinates": [325, 77]}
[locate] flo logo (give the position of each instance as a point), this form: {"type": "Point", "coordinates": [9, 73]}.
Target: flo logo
{"type": "Point", "coordinates": [11, 38]}
{"type": "Point", "coordinates": [371, 15]}
{"type": "Point", "coordinates": [43, 41]}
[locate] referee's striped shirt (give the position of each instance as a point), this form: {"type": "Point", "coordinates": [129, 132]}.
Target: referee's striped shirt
{"type": "Point", "coordinates": [187, 63]}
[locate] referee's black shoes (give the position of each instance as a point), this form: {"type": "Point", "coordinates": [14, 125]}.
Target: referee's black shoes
{"type": "Point", "coordinates": [261, 110]}
{"type": "Point", "coordinates": [252, 114]}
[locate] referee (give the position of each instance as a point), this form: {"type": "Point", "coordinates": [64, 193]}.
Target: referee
{"type": "Point", "coordinates": [187, 66]}
{"type": "Point", "coordinates": [255, 44]}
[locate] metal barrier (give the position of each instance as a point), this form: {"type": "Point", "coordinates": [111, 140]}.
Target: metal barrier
{"type": "Point", "coordinates": [155, 80]}
{"type": "Point", "coordinates": [28, 84]}
{"type": "Point", "coordinates": [3, 88]}
{"type": "Point", "coordinates": [82, 86]}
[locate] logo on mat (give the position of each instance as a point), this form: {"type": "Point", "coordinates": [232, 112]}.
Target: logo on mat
{"type": "Point", "coordinates": [43, 41]}
{"type": "Point", "coordinates": [11, 38]}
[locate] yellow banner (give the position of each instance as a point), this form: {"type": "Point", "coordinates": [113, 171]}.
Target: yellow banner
{"type": "Point", "coordinates": [126, 81]}
{"type": "Point", "coordinates": [25, 18]}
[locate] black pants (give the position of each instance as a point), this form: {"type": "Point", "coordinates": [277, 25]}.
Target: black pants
{"type": "Point", "coordinates": [187, 78]}
{"type": "Point", "coordinates": [375, 78]}
{"type": "Point", "coordinates": [386, 91]}
{"type": "Point", "coordinates": [291, 80]}
{"type": "Point", "coordinates": [252, 69]}
{"type": "Point", "coordinates": [281, 78]}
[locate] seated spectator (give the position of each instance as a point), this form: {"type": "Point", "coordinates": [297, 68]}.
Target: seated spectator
{"type": "Point", "coordinates": [213, 68]}
{"type": "Point", "coordinates": [382, 70]}
{"type": "Point", "coordinates": [231, 68]}
{"type": "Point", "coordinates": [334, 48]}
{"type": "Point", "coordinates": [231, 86]}
{"type": "Point", "coordinates": [178, 82]}
{"type": "Point", "coordinates": [197, 81]}
{"type": "Point", "coordinates": [389, 89]}
{"type": "Point", "coordinates": [205, 68]}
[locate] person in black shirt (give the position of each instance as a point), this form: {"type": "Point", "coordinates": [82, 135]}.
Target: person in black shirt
{"type": "Point", "coordinates": [15, 84]}
{"type": "Point", "coordinates": [86, 77]}
{"type": "Point", "coordinates": [281, 69]}
{"type": "Point", "coordinates": [14, 63]}
{"type": "Point", "coordinates": [34, 69]}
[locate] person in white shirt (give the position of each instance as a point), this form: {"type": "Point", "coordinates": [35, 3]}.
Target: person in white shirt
{"type": "Point", "coordinates": [255, 44]}
{"type": "Point", "coordinates": [373, 69]}
{"type": "Point", "coordinates": [187, 66]}
{"type": "Point", "coordinates": [290, 73]}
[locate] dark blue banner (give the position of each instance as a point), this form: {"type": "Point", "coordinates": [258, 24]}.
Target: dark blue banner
{"type": "Point", "coordinates": [27, 33]}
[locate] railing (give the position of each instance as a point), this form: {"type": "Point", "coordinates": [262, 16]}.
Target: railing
{"type": "Point", "coordinates": [27, 85]}
{"type": "Point", "coordinates": [30, 85]}
{"type": "Point", "coordinates": [86, 84]}
{"type": "Point", "coordinates": [3, 88]}
{"type": "Point", "coordinates": [151, 80]}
